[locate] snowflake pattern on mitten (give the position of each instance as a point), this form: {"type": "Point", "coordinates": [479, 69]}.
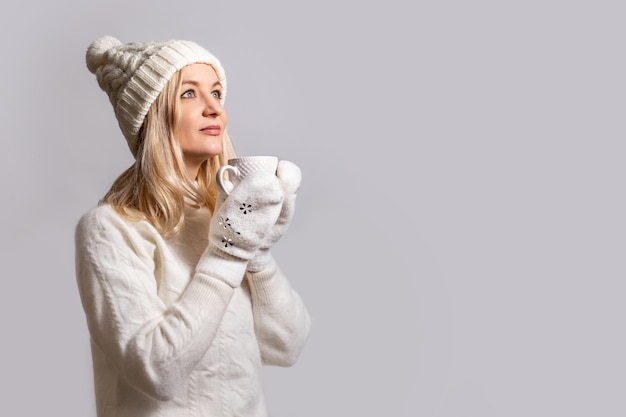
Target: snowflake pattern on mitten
{"type": "Point", "coordinates": [247, 215]}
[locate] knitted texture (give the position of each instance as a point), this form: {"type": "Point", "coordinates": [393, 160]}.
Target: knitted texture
{"type": "Point", "coordinates": [134, 74]}
{"type": "Point", "coordinates": [290, 177]}
{"type": "Point", "coordinates": [169, 340]}
{"type": "Point", "coordinates": [240, 224]}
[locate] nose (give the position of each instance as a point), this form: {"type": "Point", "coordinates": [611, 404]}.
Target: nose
{"type": "Point", "coordinates": [213, 107]}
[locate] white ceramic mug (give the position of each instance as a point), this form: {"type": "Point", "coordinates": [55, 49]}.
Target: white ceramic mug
{"type": "Point", "coordinates": [239, 168]}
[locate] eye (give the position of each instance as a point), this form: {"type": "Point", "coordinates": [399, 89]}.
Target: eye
{"type": "Point", "coordinates": [217, 94]}
{"type": "Point", "coordinates": [188, 94]}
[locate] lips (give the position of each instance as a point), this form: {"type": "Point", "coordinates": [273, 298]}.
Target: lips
{"type": "Point", "coordinates": [211, 130]}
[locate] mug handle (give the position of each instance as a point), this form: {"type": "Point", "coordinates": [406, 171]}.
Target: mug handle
{"type": "Point", "coordinates": [220, 181]}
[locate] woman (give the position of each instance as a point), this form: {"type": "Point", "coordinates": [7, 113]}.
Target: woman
{"type": "Point", "coordinates": [181, 323]}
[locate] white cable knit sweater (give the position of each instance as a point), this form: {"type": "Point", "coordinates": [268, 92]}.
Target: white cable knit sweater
{"type": "Point", "coordinates": [169, 340]}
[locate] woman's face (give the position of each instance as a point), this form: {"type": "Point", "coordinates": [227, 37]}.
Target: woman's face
{"type": "Point", "coordinates": [202, 119]}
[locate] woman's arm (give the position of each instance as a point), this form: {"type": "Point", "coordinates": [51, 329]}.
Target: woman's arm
{"type": "Point", "coordinates": [281, 320]}
{"type": "Point", "coordinates": [154, 347]}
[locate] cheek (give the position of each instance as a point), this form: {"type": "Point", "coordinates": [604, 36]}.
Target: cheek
{"type": "Point", "coordinates": [182, 126]}
{"type": "Point", "coordinates": [183, 120]}
{"type": "Point", "coordinates": [185, 115]}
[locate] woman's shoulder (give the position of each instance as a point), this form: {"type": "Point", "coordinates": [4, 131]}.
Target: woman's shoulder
{"type": "Point", "coordinates": [103, 219]}
{"type": "Point", "coordinates": [99, 214]}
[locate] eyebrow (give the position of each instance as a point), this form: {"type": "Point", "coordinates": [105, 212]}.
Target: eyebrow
{"type": "Point", "coordinates": [196, 83]}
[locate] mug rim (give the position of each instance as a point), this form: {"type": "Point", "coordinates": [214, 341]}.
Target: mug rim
{"type": "Point", "coordinates": [241, 158]}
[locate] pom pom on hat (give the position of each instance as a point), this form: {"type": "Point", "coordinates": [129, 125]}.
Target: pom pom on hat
{"type": "Point", "coordinates": [95, 52]}
{"type": "Point", "coordinates": [134, 74]}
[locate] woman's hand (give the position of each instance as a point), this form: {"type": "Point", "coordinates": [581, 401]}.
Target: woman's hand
{"type": "Point", "coordinates": [290, 177]}
{"type": "Point", "coordinates": [240, 225]}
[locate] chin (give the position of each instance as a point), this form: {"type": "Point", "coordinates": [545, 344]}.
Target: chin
{"type": "Point", "coordinates": [210, 149]}
{"type": "Point", "coordinates": [215, 150]}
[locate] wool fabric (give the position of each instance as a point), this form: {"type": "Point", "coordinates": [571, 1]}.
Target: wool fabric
{"type": "Point", "coordinates": [240, 224]}
{"type": "Point", "coordinates": [290, 177]}
{"type": "Point", "coordinates": [133, 75]}
{"type": "Point", "coordinates": [168, 339]}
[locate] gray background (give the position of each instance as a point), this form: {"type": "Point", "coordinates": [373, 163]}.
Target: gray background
{"type": "Point", "coordinates": [460, 233]}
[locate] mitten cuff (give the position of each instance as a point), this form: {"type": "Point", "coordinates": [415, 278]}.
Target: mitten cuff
{"type": "Point", "coordinates": [262, 261]}
{"type": "Point", "coordinates": [222, 266]}
{"type": "Point", "coordinates": [266, 284]}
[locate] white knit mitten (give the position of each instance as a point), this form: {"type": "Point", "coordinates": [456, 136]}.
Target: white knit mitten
{"type": "Point", "coordinates": [239, 226]}
{"type": "Point", "coordinates": [290, 177]}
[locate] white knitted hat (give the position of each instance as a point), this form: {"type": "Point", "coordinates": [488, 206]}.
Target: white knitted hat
{"type": "Point", "coordinates": [134, 74]}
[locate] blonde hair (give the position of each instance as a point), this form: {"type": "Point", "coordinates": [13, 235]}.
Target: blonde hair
{"type": "Point", "coordinates": [157, 187]}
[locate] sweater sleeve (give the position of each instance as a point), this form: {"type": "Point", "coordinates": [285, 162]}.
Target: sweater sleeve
{"type": "Point", "coordinates": [152, 346]}
{"type": "Point", "coordinates": [281, 320]}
